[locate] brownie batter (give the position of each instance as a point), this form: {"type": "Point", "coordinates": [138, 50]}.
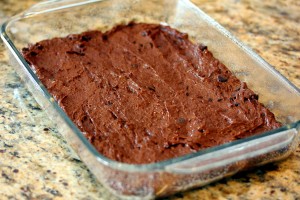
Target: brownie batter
{"type": "Point", "coordinates": [144, 93]}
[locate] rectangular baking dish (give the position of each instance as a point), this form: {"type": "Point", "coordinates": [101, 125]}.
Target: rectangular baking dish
{"type": "Point", "coordinates": [58, 18]}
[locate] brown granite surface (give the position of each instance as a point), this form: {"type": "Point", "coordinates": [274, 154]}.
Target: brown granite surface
{"type": "Point", "coordinates": [36, 162]}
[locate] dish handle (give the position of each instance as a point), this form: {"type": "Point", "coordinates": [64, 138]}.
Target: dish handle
{"type": "Point", "coordinates": [257, 151]}
{"type": "Point", "coordinates": [52, 5]}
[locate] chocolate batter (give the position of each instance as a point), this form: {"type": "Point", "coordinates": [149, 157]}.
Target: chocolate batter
{"type": "Point", "coordinates": [144, 93]}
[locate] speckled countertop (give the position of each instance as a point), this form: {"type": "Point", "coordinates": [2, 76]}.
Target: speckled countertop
{"type": "Point", "coordinates": [36, 163]}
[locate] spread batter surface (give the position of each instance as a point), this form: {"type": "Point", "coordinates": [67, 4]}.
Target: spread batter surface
{"type": "Point", "coordinates": [144, 93]}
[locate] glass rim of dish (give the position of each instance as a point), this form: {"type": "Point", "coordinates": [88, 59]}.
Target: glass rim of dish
{"type": "Point", "coordinates": [148, 167]}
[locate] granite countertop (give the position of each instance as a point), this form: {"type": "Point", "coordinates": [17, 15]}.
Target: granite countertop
{"type": "Point", "coordinates": [36, 163]}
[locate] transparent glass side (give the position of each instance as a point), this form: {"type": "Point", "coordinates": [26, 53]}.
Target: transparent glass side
{"type": "Point", "coordinates": [60, 18]}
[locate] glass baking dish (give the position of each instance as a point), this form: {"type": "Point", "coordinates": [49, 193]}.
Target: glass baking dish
{"type": "Point", "coordinates": [58, 18]}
